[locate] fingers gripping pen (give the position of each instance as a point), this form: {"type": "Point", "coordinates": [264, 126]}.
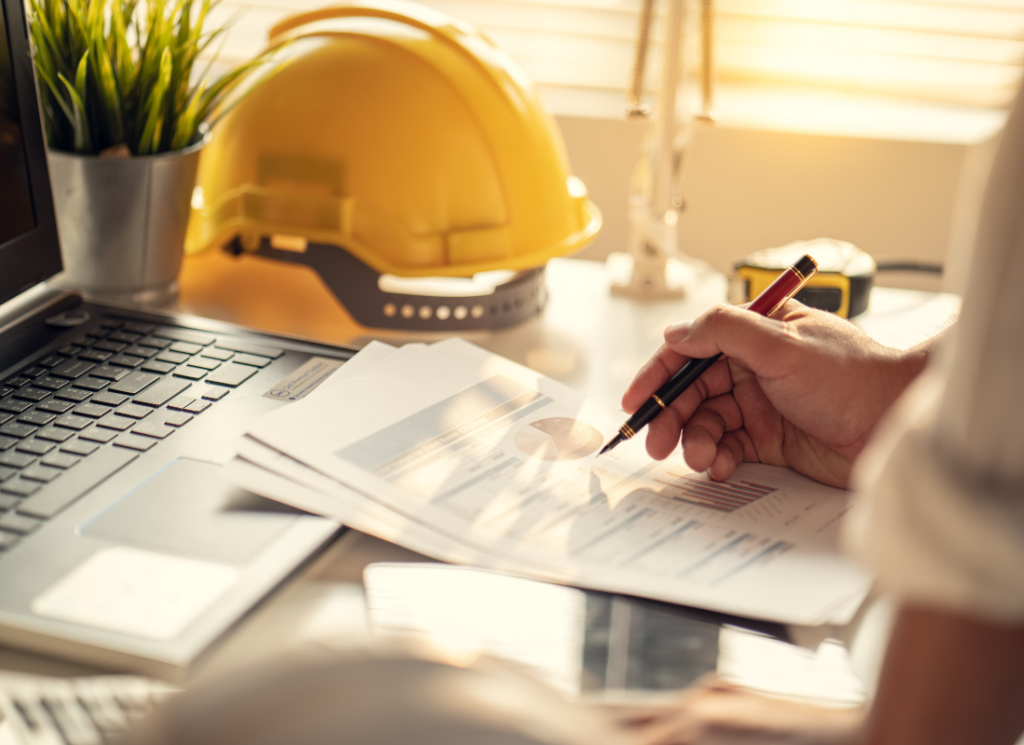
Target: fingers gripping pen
{"type": "Point", "coordinates": [769, 301]}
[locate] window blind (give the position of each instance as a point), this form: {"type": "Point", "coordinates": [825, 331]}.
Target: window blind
{"type": "Point", "coordinates": [959, 55]}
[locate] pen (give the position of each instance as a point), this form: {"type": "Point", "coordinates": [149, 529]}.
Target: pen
{"type": "Point", "coordinates": [774, 297]}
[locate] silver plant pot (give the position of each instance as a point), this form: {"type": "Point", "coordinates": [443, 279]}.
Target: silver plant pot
{"type": "Point", "coordinates": [122, 222]}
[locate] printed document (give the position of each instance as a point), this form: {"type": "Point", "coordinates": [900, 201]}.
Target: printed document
{"type": "Point", "coordinates": [478, 460]}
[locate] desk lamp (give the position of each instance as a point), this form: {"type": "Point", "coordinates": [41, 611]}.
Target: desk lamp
{"type": "Point", "coordinates": [655, 203]}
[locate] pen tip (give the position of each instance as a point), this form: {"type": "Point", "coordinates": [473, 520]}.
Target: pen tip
{"type": "Point", "coordinates": [611, 443]}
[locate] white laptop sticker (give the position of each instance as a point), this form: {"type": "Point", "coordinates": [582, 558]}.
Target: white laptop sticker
{"type": "Point", "coordinates": [136, 592]}
{"type": "Point", "coordinates": [304, 381]}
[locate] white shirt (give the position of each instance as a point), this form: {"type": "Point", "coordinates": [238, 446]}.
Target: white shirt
{"type": "Point", "coordinates": [940, 514]}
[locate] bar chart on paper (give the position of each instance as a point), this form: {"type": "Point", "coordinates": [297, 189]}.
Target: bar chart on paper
{"type": "Point", "coordinates": [724, 496]}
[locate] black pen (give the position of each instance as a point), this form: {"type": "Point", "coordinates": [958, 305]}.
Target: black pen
{"type": "Point", "coordinates": [774, 297]}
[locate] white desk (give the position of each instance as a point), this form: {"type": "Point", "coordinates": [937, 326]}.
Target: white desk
{"type": "Point", "coordinates": [585, 338]}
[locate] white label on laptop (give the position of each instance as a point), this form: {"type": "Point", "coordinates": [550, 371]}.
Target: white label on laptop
{"type": "Point", "coordinates": [304, 381]}
{"type": "Point", "coordinates": [136, 592]}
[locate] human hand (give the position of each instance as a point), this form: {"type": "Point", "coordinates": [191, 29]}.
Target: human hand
{"type": "Point", "coordinates": [718, 713]}
{"type": "Point", "coordinates": [803, 389]}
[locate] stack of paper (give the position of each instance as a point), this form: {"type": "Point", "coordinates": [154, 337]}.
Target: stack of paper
{"type": "Point", "coordinates": [467, 457]}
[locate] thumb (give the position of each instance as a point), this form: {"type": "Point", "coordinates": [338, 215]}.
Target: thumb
{"type": "Point", "coordinates": [750, 339]}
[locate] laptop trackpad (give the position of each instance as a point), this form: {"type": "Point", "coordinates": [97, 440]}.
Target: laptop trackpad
{"type": "Point", "coordinates": [189, 508]}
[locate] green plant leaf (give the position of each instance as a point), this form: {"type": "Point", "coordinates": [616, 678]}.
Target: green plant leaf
{"type": "Point", "coordinates": [149, 142]}
{"type": "Point", "coordinates": [107, 92]}
{"type": "Point", "coordinates": [121, 71]}
{"type": "Point", "coordinates": [188, 122]}
{"type": "Point", "coordinates": [79, 120]}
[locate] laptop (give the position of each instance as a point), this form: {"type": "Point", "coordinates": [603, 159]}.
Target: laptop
{"type": "Point", "coordinates": [121, 544]}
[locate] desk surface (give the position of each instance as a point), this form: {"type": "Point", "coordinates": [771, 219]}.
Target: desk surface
{"type": "Point", "coordinates": [585, 338]}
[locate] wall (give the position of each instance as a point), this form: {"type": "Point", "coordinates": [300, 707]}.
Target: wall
{"type": "Point", "coordinates": [748, 189]}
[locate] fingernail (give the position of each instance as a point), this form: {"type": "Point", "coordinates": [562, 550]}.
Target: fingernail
{"type": "Point", "coordinates": [677, 332]}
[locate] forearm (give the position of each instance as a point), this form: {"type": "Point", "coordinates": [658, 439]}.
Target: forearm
{"type": "Point", "coordinates": [949, 679]}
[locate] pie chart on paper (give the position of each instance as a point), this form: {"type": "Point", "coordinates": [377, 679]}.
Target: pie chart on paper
{"type": "Point", "coordinates": [558, 438]}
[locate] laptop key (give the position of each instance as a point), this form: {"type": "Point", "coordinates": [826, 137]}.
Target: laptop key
{"type": "Point", "coordinates": [57, 407]}
{"type": "Point", "coordinates": [73, 394]}
{"type": "Point", "coordinates": [50, 361]}
{"type": "Point", "coordinates": [72, 369]}
{"type": "Point", "coordinates": [109, 372]}
{"type": "Point", "coordinates": [157, 366]}
{"type": "Point", "coordinates": [134, 442]}
{"type": "Point", "coordinates": [17, 429]}
{"type": "Point", "coordinates": [205, 363]}
{"type": "Point", "coordinates": [55, 434]}
{"type": "Point", "coordinates": [137, 327]}
{"type": "Point", "coordinates": [13, 404]}
{"type": "Point", "coordinates": [6, 472]}
{"type": "Point", "coordinates": [5, 417]}
{"type": "Point", "coordinates": [21, 487]}
{"type": "Point", "coordinates": [72, 421]}
{"type": "Point", "coordinates": [178, 419]}
{"type": "Point", "coordinates": [198, 406]}
{"type": "Point", "coordinates": [180, 402]}
{"type": "Point", "coordinates": [161, 392]}
{"type": "Point", "coordinates": [61, 460]}
{"type": "Point", "coordinates": [252, 359]}
{"type": "Point", "coordinates": [4, 391]}
{"type": "Point", "coordinates": [7, 501]}
{"type": "Point", "coordinates": [109, 399]}
{"type": "Point", "coordinates": [175, 358]}
{"type": "Point", "coordinates": [124, 336]}
{"type": "Point", "coordinates": [17, 382]}
{"type": "Point", "coordinates": [186, 348]}
{"type": "Point", "coordinates": [246, 348]}
{"type": "Point", "coordinates": [126, 360]}
{"type": "Point", "coordinates": [33, 372]}
{"type": "Point", "coordinates": [41, 473]}
{"type": "Point", "coordinates": [35, 447]}
{"type": "Point", "coordinates": [113, 421]}
{"type": "Point", "coordinates": [95, 355]}
{"type": "Point", "coordinates": [6, 443]}
{"type": "Point", "coordinates": [140, 351]}
{"type": "Point", "coordinates": [231, 374]}
{"type": "Point", "coordinates": [194, 337]}
{"type": "Point", "coordinates": [155, 342]}
{"type": "Point", "coordinates": [37, 417]}
{"type": "Point", "coordinates": [78, 447]}
{"type": "Point", "coordinates": [50, 383]}
{"type": "Point", "coordinates": [69, 350]}
{"type": "Point", "coordinates": [134, 411]}
{"type": "Point", "coordinates": [91, 410]}
{"type": "Point", "coordinates": [15, 459]}
{"type": "Point", "coordinates": [189, 373]}
{"type": "Point", "coordinates": [109, 346]}
{"type": "Point", "coordinates": [98, 435]}
{"type": "Point", "coordinates": [91, 384]}
{"type": "Point", "coordinates": [215, 394]}
{"type": "Point", "coordinates": [19, 523]}
{"type": "Point", "coordinates": [152, 429]}
{"type": "Point", "coordinates": [133, 383]}
{"type": "Point", "coordinates": [31, 393]}
{"type": "Point", "coordinates": [53, 498]}
{"type": "Point", "coordinates": [218, 354]}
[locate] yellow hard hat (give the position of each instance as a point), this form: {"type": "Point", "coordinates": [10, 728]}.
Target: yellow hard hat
{"type": "Point", "coordinates": [409, 140]}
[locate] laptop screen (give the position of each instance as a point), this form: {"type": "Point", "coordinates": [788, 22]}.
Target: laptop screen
{"type": "Point", "coordinates": [29, 246]}
{"type": "Point", "coordinates": [16, 212]}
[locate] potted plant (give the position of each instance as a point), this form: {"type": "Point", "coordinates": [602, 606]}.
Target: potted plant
{"type": "Point", "coordinates": [125, 119]}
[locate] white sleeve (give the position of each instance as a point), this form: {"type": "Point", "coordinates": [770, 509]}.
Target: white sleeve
{"type": "Point", "coordinates": [940, 515]}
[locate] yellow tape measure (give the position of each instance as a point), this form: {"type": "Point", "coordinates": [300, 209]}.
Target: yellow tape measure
{"type": "Point", "coordinates": [841, 286]}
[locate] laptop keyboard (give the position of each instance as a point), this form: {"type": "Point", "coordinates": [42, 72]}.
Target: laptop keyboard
{"type": "Point", "coordinates": [76, 711]}
{"type": "Point", "coordinates": [74, 417]}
